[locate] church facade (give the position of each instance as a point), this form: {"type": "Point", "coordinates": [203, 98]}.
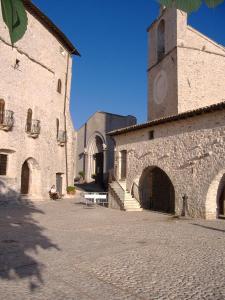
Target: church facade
{"type": "Point", "coordinates": [175, 162]}
{"type": "Point", "coordinates": [95, 149]}
{"type": "Point", "coordinates": [36, 131]}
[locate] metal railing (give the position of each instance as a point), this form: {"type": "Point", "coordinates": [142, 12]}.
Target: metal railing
{"type": "Point", "coordinates": [33, 129]}
{"type": "Point", "coordinates": [61, 138]}
{"type": "Point", "coordinates": [6, 120]}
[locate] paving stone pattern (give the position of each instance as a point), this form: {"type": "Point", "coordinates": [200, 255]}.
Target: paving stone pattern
{"type": "Point", "coordinates": [65, 250]}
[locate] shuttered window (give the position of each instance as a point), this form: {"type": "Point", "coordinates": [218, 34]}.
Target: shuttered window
{"type": "Point", "coordinates": [3, 164]}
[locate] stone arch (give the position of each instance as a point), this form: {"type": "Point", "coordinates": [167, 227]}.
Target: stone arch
{"type": "Point", "coordinates": [161, 39]}
{"type": "Point", "coordinates": [215, 198]}
{"type": "Point", "coordinates": [30, 177]}
{"type": "Point", "coordinates": [95, 163]}
{"type": "Point", "coordinates": [156, 190]}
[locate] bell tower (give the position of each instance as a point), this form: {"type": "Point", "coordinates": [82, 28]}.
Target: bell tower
{"type": "Point", "coordinates": [164, 35]}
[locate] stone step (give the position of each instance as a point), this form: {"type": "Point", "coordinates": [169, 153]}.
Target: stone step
{"type": "Point", "coordinates": [134, 209]}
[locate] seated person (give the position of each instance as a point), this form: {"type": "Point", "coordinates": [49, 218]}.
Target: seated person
{"type": "Point", "coordinates": [53, 193]}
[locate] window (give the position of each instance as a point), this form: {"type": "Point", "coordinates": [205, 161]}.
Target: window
{"type": "Point", "coordinates": [3, 164]}
{"type": "Point", "coordinates": [57, 128]}
{"type": "Point", "coordinates": [151, 135]}
{"type": "Point", "coordinates": [2, 110]}
{"type": "Point", "coordinates": [59, 87]}
{"type": "Point", "coordinates": [29, 120]}
{"type": "Point", "coordinates": [161, 40]}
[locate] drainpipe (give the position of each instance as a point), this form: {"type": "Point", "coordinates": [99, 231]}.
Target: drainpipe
{"type": "Point", "coordinates": [64, 112]}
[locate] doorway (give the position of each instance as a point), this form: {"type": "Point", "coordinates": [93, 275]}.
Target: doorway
{"type": "Point", "coordinates": [157, 191]}
{"type": "Point", "coordinates": [59, 183]}
{"type": "Point", "coordinates": [25, 178]}
{"type": "Point", "coordinates": [123, 165]}
{"type": "Point", "coordinates": [99, 167]}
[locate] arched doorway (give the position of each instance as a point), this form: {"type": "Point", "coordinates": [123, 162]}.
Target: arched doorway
{"type": "Point", "coordinates": [156, 191]}
{"type": "Point", "coordinates": [215, 199]}
{"type": "Point", "coordinates": [30, 178]}
{"type": "Point", "coordinates": [25, 178]}
{"type": "Point", "coordinates": [95, 166]}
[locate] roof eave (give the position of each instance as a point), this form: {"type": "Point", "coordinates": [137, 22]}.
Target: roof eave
{"type": "Point", "coordinates": [59, 35]}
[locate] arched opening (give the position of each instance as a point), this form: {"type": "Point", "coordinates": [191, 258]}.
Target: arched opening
{"type": "Point", "coordinates": [161, 40]}
{"type": "Point", "coordinates": [25, 178]}
{"type": "Point", "coordinates": [95, 166]}
{"type": "Point", "coordinates": [30, 178]}
{"type": "Point", "coordinates": [59, 86]}
{"type": "Point", "coordinates": [29, 120]}
{"type": "Point", "coordinates": [156, 191]}
{"type": "Point", "coordinates": [215, 199]}
{"type": "Point", "coordinates": [2, 110]}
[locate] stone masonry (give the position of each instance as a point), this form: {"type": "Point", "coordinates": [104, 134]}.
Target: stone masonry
{"type": "Point", "coordinates": [31, 71]}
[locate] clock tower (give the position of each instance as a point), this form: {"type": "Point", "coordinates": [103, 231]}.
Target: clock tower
{"type": "Point", "coordinates": [164, 35]}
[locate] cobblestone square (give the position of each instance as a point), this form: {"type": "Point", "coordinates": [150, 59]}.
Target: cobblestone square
{"type": "Point", "coordinates": [65, 250]}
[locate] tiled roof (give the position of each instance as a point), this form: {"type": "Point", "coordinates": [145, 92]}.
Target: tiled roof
{"type": "Point", "coordinates": [181, 116]}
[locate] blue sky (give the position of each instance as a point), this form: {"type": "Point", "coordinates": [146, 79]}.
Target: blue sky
{"type": "Point", "coordinates": [111, 37]}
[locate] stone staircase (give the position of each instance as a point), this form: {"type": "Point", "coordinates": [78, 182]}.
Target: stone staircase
{"type": "Point", "coordinates": [127, 202]}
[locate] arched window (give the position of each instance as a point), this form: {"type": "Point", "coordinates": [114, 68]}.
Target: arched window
{"type": "Point", "coordinates": [2, 110]}
{"type": "Point", "coordinates": [59, 87]}
{"type": "Point", "coordinates": [161, 40]}
{"type": "Point", "coordinates": [29, 120]}
{"type": "Point", "coordinates": [57, 128]}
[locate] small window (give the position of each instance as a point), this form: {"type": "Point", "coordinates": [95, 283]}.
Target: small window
{"type": "Point", "coordinates": [57, 128]}
{"type": "Point", "coordinates": [29, 120]}
{"type": "Point", "coordinates": [59, 87]}
{"type": "Point", "coordinates": [161, 40]}
{"type": "Point", "coordinates": [3, 164]}
{"type": "Point", "coordinates": [151, 135]}
{"type": "Point", "coordinates": [2, 110]}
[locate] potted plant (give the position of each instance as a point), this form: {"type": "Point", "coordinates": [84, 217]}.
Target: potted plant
{"type": "Point", "coordinates": [71, 190]}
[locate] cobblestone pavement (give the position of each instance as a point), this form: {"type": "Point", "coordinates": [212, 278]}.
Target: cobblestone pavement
{"type": "Point", "coordinates": [64, 250]}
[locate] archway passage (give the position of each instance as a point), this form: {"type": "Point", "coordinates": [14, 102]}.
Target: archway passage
{"type": "Point", "coordinates": [25, 178]}
{"type": "Point", "coordinates": [95, 166]}
{"type": "Point", "coordinates": [157, 191]}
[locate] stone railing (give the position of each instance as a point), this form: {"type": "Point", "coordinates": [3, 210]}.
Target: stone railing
{"type": "Point", "coordinates": [116, 195]}
{"type": "Point", "coordinates": [61, 138]}
{"type": "Point", "coordinates": [6, 120]}
{"type": "Point", "coordinates": [33, 130]}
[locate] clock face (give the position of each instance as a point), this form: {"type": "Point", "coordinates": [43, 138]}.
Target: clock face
{"type": "Point", "coordinates": [160, 87]}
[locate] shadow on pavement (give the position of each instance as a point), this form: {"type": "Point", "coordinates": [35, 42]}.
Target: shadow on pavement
{"type": "Point", "coordinates": [208, 227]}
{"type": "Point", "coordinates": [20, 237]}
{"type": "Point", "coordinates": [89, 187]}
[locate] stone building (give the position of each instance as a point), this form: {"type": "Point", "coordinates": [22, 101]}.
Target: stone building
{"type": "Point", "coordinates": [175, 162]}
{"type": "Point", "coordinates": [36, 131]}
{"type": "Point", "coordinates": [95, 150]}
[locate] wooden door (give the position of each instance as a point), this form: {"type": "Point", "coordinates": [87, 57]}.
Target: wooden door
{"type": "Point", "coordinates": [59, 183]}
{"type": "Point", "coordinates": [25, 179]}
{"type": "Point", "coordinates": [99, 161]}
{"type": "Point", "coordinates": [123, 165]}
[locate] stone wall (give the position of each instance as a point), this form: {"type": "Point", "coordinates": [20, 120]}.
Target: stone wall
{"type": "Point", "coordinates": [191, 152]}
{"type": "Point", "coordinates": [99, 124]}
{"type": "Point", "coordinates": [33, 84]}
{"type": "Point", "coordinates": [191, 73]}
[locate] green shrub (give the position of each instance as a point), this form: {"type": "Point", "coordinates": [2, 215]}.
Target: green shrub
{"type": "Point", "coordinates": [71, 189]}
{"type": "Point", "coordinates": [82, 174]}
